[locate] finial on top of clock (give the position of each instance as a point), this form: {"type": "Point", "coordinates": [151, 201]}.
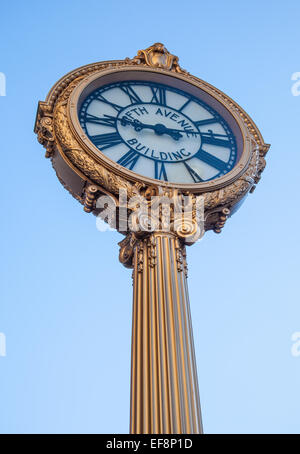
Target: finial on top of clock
{"type": "Point", "coordinates": [158, 56]}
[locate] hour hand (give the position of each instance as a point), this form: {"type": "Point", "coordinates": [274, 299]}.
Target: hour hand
{"type": "Point", "coordinates": [124, 121]}
{"type": "Point", "coordinates": [138, 126]}
{"type": "Point", "coordinates": [159, 129]}
{"type": "Point", "coordinates": [162, 129]}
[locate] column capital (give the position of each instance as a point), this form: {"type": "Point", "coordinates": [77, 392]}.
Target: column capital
{"type": "Point", "coordinates": [132, 241]}
{"type": "Point", "coordinates": [168, 214]}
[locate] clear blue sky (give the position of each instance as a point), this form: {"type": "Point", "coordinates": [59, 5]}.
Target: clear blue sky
{"type": "Point", "coordinates": [65, 298]}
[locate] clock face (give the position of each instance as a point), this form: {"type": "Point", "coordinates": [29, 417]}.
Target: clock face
{"type": "Point", "coordinates": [159, 131]}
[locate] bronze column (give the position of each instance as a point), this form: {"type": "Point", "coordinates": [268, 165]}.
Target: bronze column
{"type": "Point", "coordinates": [164, 385]}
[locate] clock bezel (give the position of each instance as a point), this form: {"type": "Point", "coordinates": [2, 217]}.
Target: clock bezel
{"type": "Point", "coordinates": [181, 81]}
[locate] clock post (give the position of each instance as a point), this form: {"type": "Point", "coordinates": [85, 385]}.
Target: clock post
{"type": "Point", "coordinates": [186, 156]}
{"type": "Point", "coordinates": [164, 384]}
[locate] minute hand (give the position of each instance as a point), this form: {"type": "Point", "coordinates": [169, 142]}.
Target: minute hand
{"type": "Point", "coordinates": [138, 125]}
{"type": "Point", "coordinates": [176, 134]}
{"type": "Point", "coordinates": [159, 129]}
{"type": "Point", "coordinates": [209, 137]}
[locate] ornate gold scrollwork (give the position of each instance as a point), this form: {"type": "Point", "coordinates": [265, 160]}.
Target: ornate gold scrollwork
{"type": "Point", "coordinates": [90, 198]}
{"type": "Point", "coordinates": [94, 171]}
{"type": "Point", "coordinates": [223, 216]}
{"type": "Point", "coordinates": [45, 130]}
{"type": "Point", "coordinates": [181, 257]}
{"type": "Point", "coordinates": [157, 56]}
{"type": "Point", "coordinates": [127, 250]}
{"type": "Point", "coordinates": [151, 244]}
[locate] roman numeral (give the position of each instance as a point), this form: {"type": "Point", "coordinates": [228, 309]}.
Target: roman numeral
{"type": "Point", "coordinates": [106, 120]}
{"type": "Point", "coordinates": [184, 105]}
{"type": "Point", "coordinates": [129, 159]}
{"type": "Point", "coordinates": [133, 96]}
{"type": "Point", "coordinates": [193, 173]}
{"type": "Point", "coordinates": [211, 160]}
{"type": "Point", "coordinates": [114, 106]}
{"type": "Point", "coordinates": [106, 140]}
{"type": "Point", "coordinates": [160, 171]}
{"type": "Point", "coordinates": [159, 95]}
{"type": "Point", "coordinates": [209, 121]}
{"type": "Point", "coordinates": [215, 139]}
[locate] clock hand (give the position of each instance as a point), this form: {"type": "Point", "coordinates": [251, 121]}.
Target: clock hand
{"type": "Point", "coordinates": [159, 129]}
{"type": "Point", "coordinates": [208, 133]}
{"type": "Point", "coordinates": [138, 125]}
{"type": "Point", "coordinates": [162, 129]}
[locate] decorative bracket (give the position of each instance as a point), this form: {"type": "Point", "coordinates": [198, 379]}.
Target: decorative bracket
{"type": "Point", "coordinates": [223, 216]}
{"type": "Point", "coordinates": [44, 128]}
{"type": "Point", "coordinates": [91, 193]}
{"type": "Point", "coordinates": [127, 250]}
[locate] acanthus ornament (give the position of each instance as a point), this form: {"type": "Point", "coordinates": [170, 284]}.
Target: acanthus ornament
{"type": "Point", "coordinates": [151, 245]}
{"type": "Point", "coordinates": [90, 197]}
{"type": "Point", "coordinates": [127, 250]}
{"type": "Point", "coordinates": [44, 130]}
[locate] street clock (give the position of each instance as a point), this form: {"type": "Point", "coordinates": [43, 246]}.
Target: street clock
{"type": "Point", "coordinates": [148, 127]}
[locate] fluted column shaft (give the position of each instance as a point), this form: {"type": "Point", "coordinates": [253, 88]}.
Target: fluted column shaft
{"type": "Point", "coordinates": [164, 385]}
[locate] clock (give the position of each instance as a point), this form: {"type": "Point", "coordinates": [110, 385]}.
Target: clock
{"type": "Point", "coordinates": [159, 131]}
{"type": "Point", "coordinates": [150, 125]}
{"type": "Point", "coordinates": [146, 125]}
{"type": "Point", "coordinates": [161, 156]}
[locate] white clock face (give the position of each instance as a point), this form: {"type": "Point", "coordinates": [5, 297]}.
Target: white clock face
{"type": "Point", "coordinates": [159, 131]}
